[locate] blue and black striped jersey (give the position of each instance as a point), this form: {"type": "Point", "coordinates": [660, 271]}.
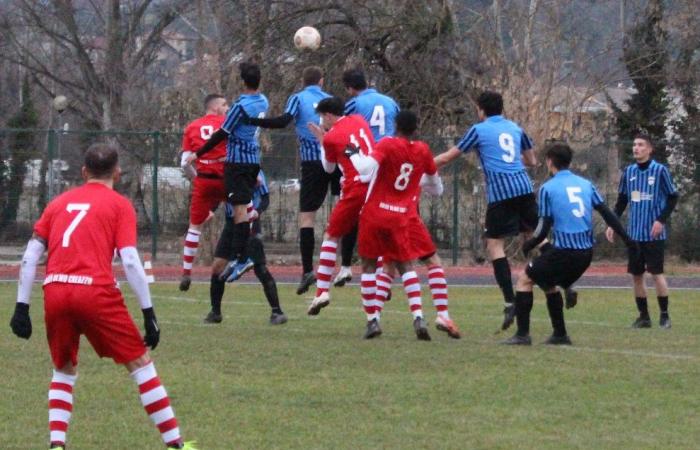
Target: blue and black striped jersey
{"type": "Point", "coordinates": [242, 146]}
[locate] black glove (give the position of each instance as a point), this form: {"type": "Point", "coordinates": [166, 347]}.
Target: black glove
{"type": "Point", "coordinates": [21, 324]}
{"type": "Point", "coordinates": [150, 324]}
{"type": "Point", "coordinates": [351, 150]}
{"type": "Point", "coordinates": [528, 246]}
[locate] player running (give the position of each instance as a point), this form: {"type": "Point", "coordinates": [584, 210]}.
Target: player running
{"type": "Point", "coordinates": [648, 188]}
{"type": "Point", "coordinates": [221, 271]}
{"type": "Point", "coordinates": [208, 185]}
{"type": "Point", "coordinates": [337, 133]}
{"type": "Point", "coordinates": [379, 111]}
{"type": "Point", "coordinates": [81, 229]}
{"type": "Point", "coordinates": [301, 107]}
{"type": "Point", "coordinates": [566, 202]}
{"type": "Point", "coordinates": [388, 226]}
{"type": "Point", "coordinates": [242, 158]}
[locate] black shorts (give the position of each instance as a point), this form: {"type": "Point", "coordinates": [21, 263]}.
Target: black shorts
{"type": "Point", "coordinates": [240, 181]}
{"type": "Point", "coordinates": [314, 185]}
{"type": "Point", "coordinates": [650, 256]}
{"type": "Point", "coordinates": [559, 267]}
{"type": "Point", "coordinates": [224, 248]}
{"type": "Point", "coordinates": [510, 217]}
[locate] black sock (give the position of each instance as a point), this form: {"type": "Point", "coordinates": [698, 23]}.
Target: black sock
{"type": "Point", "coordinates": [642, 307]}
{"type": "Point", "coordinates": [347, 247]}
{"type": "Point", "coordinates": [663, 305]}
{"type": "Point", "coordinates": [307, 243]}
{"type": "Point", "coordinates": [555, 306]}
{"type": "Point", "coordinates": [269, 286]}
{"type": "Point", "coordinates": [216, 293]}
{"type": "Point", "coordinates": [523, 306]}
{"type": "Point", "coordinates": [501, 270]}
{"type": "Point", "coordinates": [241, 233]}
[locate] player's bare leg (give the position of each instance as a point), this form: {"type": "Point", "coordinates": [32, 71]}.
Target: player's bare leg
{"type": "Point", "coordinates": [438, 290]}
{"type": "Point", "coordinates": [307, 243]}
{"type": "Point", "coordinates": [662, 297]}
{"type": "Point", "coordinates": [501, 270]}
{"type": "Point", "coordinates": [370, 303]}
{"type": "Point", "coordinates": [411, 285]}
{"type": "Point", "coordinates": [326, 264]}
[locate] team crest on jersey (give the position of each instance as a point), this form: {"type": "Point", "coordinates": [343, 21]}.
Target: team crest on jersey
{"type": "Point", "coordinates": [651, 181]}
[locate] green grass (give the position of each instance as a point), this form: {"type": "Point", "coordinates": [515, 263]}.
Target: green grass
{"type": "Point", "coordinates": [314, 384]}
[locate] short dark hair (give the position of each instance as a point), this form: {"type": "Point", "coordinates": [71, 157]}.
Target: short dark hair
{"type": "Point", "coordinates": [491, 103]}
{"type": "Point", "coordinates": [354, 78]}
{"type": "Point", "coordinates": [406, 122]}
{"type": "Point", "coordinates": [210, 98]}
{"type": "Point", "coordinates": [101, 160]}
{"type": "Point", "coordinates": [644, 137]}
{"type": "Point", "coordinates": [312, 75]}
{"type": "Point", "coordinates": [250, 74]}
{"type": "Point", "coordinates": [560, 154]}
{"type": "Point", "coordinates": [331, 105]}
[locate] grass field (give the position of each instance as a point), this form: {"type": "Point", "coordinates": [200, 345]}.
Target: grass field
{"type": "Point", "coordinates": [314, 384]}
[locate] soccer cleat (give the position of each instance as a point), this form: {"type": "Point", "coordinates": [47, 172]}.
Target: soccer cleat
{"type": "Point", "coordinates": [570, 297]}
{"type": "Point", "coordinates": [184, 446]}
{"type": "Point", "coordinates": [448, 326]}
{"type": "Point", "coordinates": [373, 329]}
{"type": "Point", "coordinates": [420, 326]}
{"type": "Point", "coordinates": [213, 317]}
{"type": "Point", "coordinates": [277, 318]}
{"type": "Point", "coordinates": [642, 322]}
{"type": "Point", "coordinates": [516, 339]}
{"type": "Point", "coordinates": [57, 447]}
{"type": "Point", "coordinates": [307, 280]}
{"type": "Point", "coordinates": [318, 303]}
{"type": "Point", "coordinates": [665, 322]}
{"type": "Point", "coordinates": [235, 270]}
{"type": "Point", "coordinates": [508, 316]}
{"type": "Point", "coordinates": [185, 282]}
{"type": "Point", "coordinates": [344, 276]}
{"type": "Point", "coordinates": [558, 340]}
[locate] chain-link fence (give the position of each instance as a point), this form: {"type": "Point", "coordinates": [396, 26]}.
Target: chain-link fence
{"type": "Point", "coordinates": [152, 179]}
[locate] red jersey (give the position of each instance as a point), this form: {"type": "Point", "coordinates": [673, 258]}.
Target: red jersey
{"type": "Point", "coordinates": [352, 129]}
{"type": "Point", "coordinates": [196, 134]}
{"type": "Point", "coordinates": [82, 228]}
{"type": "Point", "coordinates": [393, 193]}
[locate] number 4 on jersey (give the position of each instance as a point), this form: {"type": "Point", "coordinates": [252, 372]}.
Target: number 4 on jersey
{"type": "Point", "coordinates": [82, 209]}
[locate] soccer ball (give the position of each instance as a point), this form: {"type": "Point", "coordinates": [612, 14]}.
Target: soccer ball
{"type": "Point", "coordinates": [307, 38]}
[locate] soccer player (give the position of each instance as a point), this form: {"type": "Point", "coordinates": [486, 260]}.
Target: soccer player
{"type": "Point", "coordinates": [208, 185]}
{"type": "Point", "coordinates": [337, 133]}
{"type": "Point", "coordinates": [221, 271]}
{"type": "Point", "coordinates": [504, 150]}
{"type": "Point", "coordinates": [648, 188]}
{"type": "Point", "coordinates": [379, 111]}
{"type": "Point", "coordinates": [242, 158]}
{"type": "Point", "coordinates": [301, 107]}
{"type": "Point", "coordinates": [387, 228]}
{"type": "Point", "coordinates": [566, 202]}
{"type": "Point", "coordinates": [81, 229]}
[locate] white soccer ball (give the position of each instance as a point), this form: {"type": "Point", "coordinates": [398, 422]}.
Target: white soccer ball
{"type": "Point", "coordinates": [60, 103]}
{"type": "Point", "coordinates": [307, 38]}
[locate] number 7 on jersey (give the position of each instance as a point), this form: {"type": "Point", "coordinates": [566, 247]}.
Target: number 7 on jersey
{"type": "Point", "coordinates": [82, 209]}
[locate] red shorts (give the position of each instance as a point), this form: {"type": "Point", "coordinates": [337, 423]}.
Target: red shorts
{"type": "Point", "coordinates": [389, 239]}
{"type": "Point", "coordinates": [346, 213]}
{"type": "Point", "coordinates": [207, 193]}
{"type": "Point", "coordinates": [99, 313]}
{"type": "Point", "coordinates": [421, 242]}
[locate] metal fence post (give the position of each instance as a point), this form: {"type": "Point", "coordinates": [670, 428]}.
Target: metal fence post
{"type": "Point", "coordinates": [155, 222]}
{"type": "Point", "coordinates": [51, 143]}
{"type": "Point", "coordinates": [455, 212]}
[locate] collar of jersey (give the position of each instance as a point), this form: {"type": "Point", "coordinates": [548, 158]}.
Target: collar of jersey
{"type": "Point", "coordinates": [313, 87]}
{"type": "Point", "coordinates": [368, 91]}
{"type": "Point", "coordinates": [563, 172]}
{"type": "Point", "coordinates": [494, 118]}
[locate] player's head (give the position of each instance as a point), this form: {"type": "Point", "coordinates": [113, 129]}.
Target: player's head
{"type": "Point", "coordinates": [642, 147]}
{"type": "Point", "coordinates": [406, 123]}
{"type": "Point", "coordinates": [312, 75]}
{"type": "Point", "coordinates": [250, 74]}
{"type": "Point", "coordinates": [101, 163]}
{"type": "Point", "coordinates": [490, 103]}
{"type": "Point", "coordinates": [354, 81]}
{"type": "Point", "coordinates": [215, 104]}
{"type": "Point", "coordinates": [330, 109]}
{"type": "Point", "coordinates": [558, 157]}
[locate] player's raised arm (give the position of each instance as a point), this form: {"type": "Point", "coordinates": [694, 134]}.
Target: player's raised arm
{"type": "Point", "coordinates": [447, 157]}
{"type": "Point", "coordinates": [21, 323]}
{"type": "Point", "coordinates": [527, 151]}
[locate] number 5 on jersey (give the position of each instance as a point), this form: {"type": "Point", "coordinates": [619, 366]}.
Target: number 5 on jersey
{"type": "Point", "coordinates": [82, 209]}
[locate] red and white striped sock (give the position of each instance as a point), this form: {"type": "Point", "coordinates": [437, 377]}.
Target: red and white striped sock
{"type": "Point", "coordinates": [411, 285]}
{"type": "Point", "coordinates": [326, 265]}
{"type": "Point", "coordinates": [438, 288]}
{"type": "Point", "coordinates": [60, 406]}
{"type": "Point", "coordinates": [368, 290]}
{"type": "Point", "coordinates": [384, 281]}
{"type": "Point", "coordinates": [190, 250]}
{"type": "Point", "coordinates": [155, 401]}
